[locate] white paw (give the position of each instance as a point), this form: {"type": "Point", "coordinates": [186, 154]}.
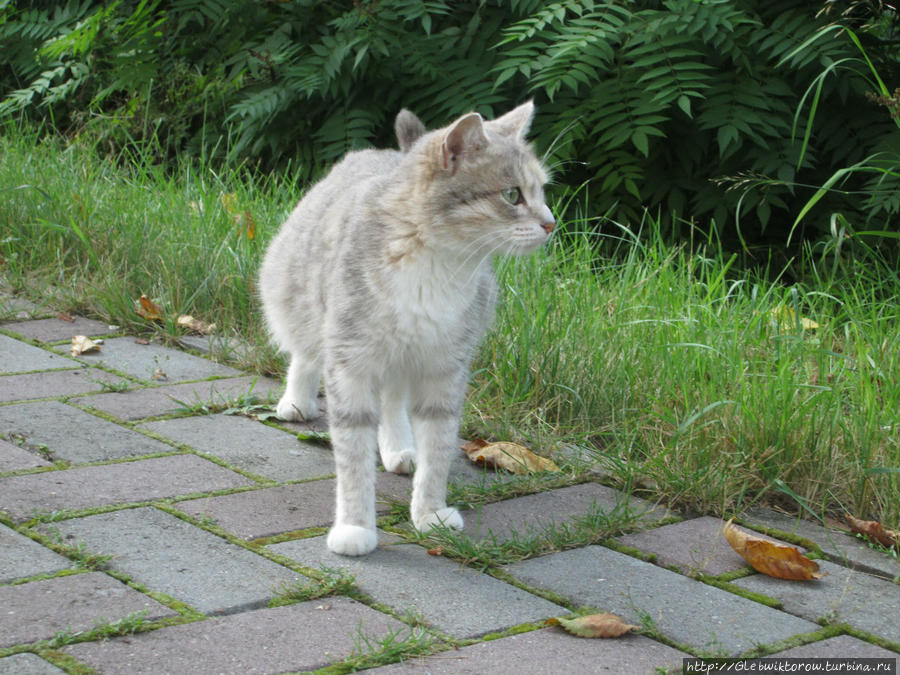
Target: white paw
{"type": "Point", "coordinates": [351, 540]}
{"type": "Point", "coordinates": [290, 410]}
{"type": "Point", "coordinates": [398, 462]}
{"type": "Point", "coordinates": [448, 517]}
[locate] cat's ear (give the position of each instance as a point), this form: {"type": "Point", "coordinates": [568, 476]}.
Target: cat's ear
{"type": "Point", "coordinates": [464, 137]}
{"type": "Point", "coordinates": [515, 123]}
{"type": "Point", "coordinates": [409, 129]}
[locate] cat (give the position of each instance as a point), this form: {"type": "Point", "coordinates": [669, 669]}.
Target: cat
{"type": "Point", "coordinates": [382, 279]}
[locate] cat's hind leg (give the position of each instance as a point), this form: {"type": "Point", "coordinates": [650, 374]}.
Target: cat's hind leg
{"type": "Point", "coordinates": [395, 435]}
{"type": "Point", "coordinates": [301, 390]}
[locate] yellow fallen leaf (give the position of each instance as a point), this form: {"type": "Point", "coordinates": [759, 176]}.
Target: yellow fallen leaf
{"type": "Point", "coordinates": [787, 319]}
{"type": "Point", "coordinates": [604, 625]}
{"type": "Point", "coordinates": [510, 456]}
{"type": "Point", "coordinates": [196, 325]}
{"type": "Point", "coordinates": [770, 558]}
{"type": "Point", "coordinates": [82, 344]}
{"type": "Point", "coordinates": [149, 309]}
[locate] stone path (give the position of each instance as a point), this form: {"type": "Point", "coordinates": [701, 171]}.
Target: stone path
{"type": "Point", "coordinates": [143, 530]}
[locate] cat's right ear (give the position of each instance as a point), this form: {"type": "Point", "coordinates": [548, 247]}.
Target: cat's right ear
{"type": "Point", "coordinates": [464, 137]}
{"type": "Point", "coordinates": [409, 129]}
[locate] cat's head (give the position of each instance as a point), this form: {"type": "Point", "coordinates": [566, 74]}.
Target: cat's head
{"type": "Point", "coordinates": [482, 184]}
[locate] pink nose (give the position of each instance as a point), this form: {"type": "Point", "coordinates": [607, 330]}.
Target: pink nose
{"type": "Point", "coordinates": [548, 226]}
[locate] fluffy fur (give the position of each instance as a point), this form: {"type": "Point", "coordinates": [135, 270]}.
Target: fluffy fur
{"type": "Point", "coordinates": [381, 278]}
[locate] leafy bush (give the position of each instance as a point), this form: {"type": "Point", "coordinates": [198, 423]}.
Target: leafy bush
{"type": "Point", "coordinates": [663, 105]}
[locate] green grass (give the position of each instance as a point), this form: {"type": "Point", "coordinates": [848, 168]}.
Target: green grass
{"type": "Point", "coordinates": [665, 364]}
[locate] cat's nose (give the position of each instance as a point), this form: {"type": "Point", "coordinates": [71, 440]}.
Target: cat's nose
{"type": "Point", "coordinates": [548, 222]}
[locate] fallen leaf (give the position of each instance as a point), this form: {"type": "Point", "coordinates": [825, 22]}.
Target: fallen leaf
{"type": "Point", "coordinates": [604, 625]}
{"type": "Point", "coordinates": [437, 550]}
{"type": "Point", "coordinates": [158, 374]}
{"type": "Point", "coordinates": [141, 341]}
{"type": "Point", "coordinates": [82, 344]}
{"type": "Point", "coordinates": [787, 319]}
{"type": "Point", "coordinates": [775, 560]}
{"type": "Point", "coordinates": [68, 318]}
{"type": "Point", "coordinates": [874, 531]}
{"type": "Point", "coordinates": [195, 325]}
{"type": "Point", "coordinates": [249, 225]}
{"type": "Point", "coordinates": [510, 456]}
{"type": "Point", "coordinates": [149, 309]}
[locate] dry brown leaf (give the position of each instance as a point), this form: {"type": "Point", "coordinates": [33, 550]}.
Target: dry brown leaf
{"type": "Point", "coordinates": [437, 550]}
{"type": "Point", "coordinates": [82, 344]}
{"type": "Point", "coordinates": [149, 309]}
{"type": "Point", "coordinates": [196, 325]}
{"type": "Point", "coordinates": [775, 560]}
{"type": "Point", "coordinates": [874, 531]}
{"type": "Point", "coordinates": [604, 625]}
{"type": "Point", "coordinates": [68, 318]}
{"type": "Point", "coordinates": [510, 456]}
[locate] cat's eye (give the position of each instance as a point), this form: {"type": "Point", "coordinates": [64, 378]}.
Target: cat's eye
{"type": "Point", "coordinates": [513, 195]}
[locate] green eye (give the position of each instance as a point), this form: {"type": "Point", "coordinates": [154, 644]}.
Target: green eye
{"type": "Point", "coordinates": [513, 195]}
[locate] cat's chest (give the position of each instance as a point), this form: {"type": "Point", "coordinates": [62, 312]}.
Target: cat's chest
{"type": "Point", "coordinates": [431, 309]}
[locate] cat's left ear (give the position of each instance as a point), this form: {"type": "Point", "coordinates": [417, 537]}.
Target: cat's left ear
{"type": "Point", "coordinates": [464, 137]}
{"type": "Point", "coordinates": [515, 123]}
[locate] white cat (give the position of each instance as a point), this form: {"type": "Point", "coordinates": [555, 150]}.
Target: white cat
{"type": "Point", "coordinates": [382, 278]}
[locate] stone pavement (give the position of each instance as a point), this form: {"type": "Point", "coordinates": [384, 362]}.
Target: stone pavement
{"type": "Point", "coordinates": [144, 530]}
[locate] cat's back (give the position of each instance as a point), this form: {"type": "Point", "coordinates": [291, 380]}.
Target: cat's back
{"type": "Point", "coordinates": [345, 186]}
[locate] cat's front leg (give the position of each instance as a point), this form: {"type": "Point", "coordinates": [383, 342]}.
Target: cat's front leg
{"type": "Point", "coordinates": [352, 423]}
{"type": "Point", "coordinates": [436, 429]}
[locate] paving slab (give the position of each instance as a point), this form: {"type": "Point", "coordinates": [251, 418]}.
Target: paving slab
{"type": "Point", "coordinates": [54, 383]}
{"type": "Point", "coordinates": [229, 346]}
{"type": "Point", "coordinates": [840, 647]}
{"type": "Point", "coordinates": [38, 610]}
{"type": "Point", "coordinates": [845, 595]}
{"type": "Point", "coordinates": [270, 511]}
{"type": "Point", "coordinates": [27, 664]}
{"type": "Point", "coordinates": [21, 557]}
{"type": "Point", "coordinates": [249, 445]}
{"type": "Point", "coordinates": [74, 435]}
{"type": "Point", "coordinates": [56, 329]}
{"type": "Point", "coordinates": [840, 547]}
{"type": "Point", "coordinates": [18, 357]}
{"type": "Point", "coordinates": [695, 545]}
{"type": "Point", "coordinates": [14, 458]}
{"type": "Point", "coordinates": [91, 486]}
{"type": "Point", "coordinates": [153, 362]}
{"type": "Point", "coordinates": [544, 651]}
{"type": "Point", "coordinates": [532, 514]}
{"type": "Point", "coordinates": [301, 637]}
{"type": "Point", "coordinates": [455, 599]}
{"type": "Point", "coordinates": [684, 610]}
{"type": "Point", "coordinates": [139, 403]}
{"type": "Point", "coordinates": [167, 554]}
{"type": "Point", "coordinates": [16, 308]}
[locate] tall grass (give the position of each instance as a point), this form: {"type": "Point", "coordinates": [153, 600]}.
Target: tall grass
{"type": "Point", "coordinates": [710, 383]}
{"type": "Point", "coordinates": [665, 364]}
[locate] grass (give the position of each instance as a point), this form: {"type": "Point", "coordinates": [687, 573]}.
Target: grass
{"type": "Point", "coordinates": [666, 365]}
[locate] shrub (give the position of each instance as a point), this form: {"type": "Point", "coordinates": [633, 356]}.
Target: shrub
{"type": "Point", "coordinates": [659, 105]}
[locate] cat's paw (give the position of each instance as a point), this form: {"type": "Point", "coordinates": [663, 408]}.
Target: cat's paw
{"type": "Point", "coordinates": [291, 410]}
{"type": "Point", "coordinates": [351, 540]}
{"type": "Point", "coordinates": [448, 517]}
{"type": "Point", "coordinates": [398, 462]}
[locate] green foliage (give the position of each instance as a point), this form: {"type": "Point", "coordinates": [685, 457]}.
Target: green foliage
{"type": "Point", "coordinates": [659, 105]}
